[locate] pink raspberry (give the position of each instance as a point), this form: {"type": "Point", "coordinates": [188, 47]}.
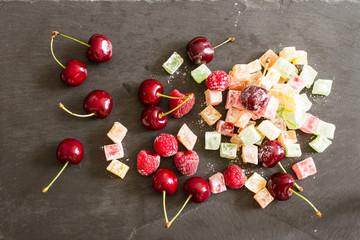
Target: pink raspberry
{"type": "Point", "coordinates": [166, 145]}
{"type": "Point", "coordinates": [218, 80]}
{"type": "Point", "coordinates": [187, 162]}
{"type": "Point", "coordinates": [184, 109]}
{"type": "Point", "coordinates": [234, 176]}
{"type": "Point", "coordinates": [147, 162]}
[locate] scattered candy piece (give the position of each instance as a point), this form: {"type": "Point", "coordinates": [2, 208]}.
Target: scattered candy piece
{"type": "Point", "coordinates": [213, 97]}
{"type": "Point", "coordinates": [294, 120]}
{"type": "Point", "coordinates": [225, 128]}
{"type": "Point", "coordinates": [301, 58]}
{"type": "Point", "coordinates": [243, 119]}
{"type": "Point", "coordinates": [118, 168]}
{"type": "Point", "coordinates": [187, 137]}
{"type": "Point", "coordinates": [240, 73]}
{"type": "Point", "coordinates": [309, 74]}
{"type": "Point", "coordinates": [273, 75]}
{"type": "Point", "coordinates": [217, 183]}
{"type": "Point", "coordinates": [297, 83]}
{"type": "Point", "coordinates": [210, 115]}
{"type": "Point", "coordinates": [254, 66]}
{"type": "Point", "coordinates": [292, 150]}
{"type": "Point", "coordinates": [325, 129]}
{"type": "Point", "coordinates": [187, 162]}
{"type": "Point", "coordinates": [117, 132]}
{"type": "Point", "coordinates": [200, 73]}
{"type": "Point", "coordinates": [320, 143]}
{"type": "Point", "coordinates": [267, 128]}
{"type": "Point", "coordinates": [234, 177]}
{"type": "Point", "coordinates": [280, 123]}
{"type": "Point", "coordinates": [305, 103]}
{"type": "Point", "coordinates": [269, 111]}
{"type": "Point", "coordinates": [255, 183]}
{"type": "Point", "coordinates": [249, 135]}
{"type": "Point", "coordinates": [304, 168]}
{"type": "Point", "coordinates": [232, 98]}
{"type": "Point", "coordinates": [236, 140]}
{"type": "Point", "coordinates": [212, 140]}
{"type": "Point", "coordinates": [285, 68]}
{"type": "Point", "coordinates": [113, 151]}
{"type": "Point", "coordinates": [310, 124]}
{"type": "Point", "coordinates": [173, 63]}
{"type": "Point", "coordinates": [228, 150]}
{"type": "Point", "coordinates": [232, 115]}
{"type": "Point", "coordinates": [288, 137]}
{"type": "Point", "coordinates": [269, 54]}
{"type": "Point", "coordinates": [288, 53]}
{"type": "Point", "coordinates": [263, 197]}
{"type": "Point", "coordinates": [322, 87]}
{"type": "Point", "coordinates": [250, 154]}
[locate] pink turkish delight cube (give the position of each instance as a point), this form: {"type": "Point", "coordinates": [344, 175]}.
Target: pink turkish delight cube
{"type": "Point", "coordinates": [217, 183]}
{"type": "Point", "coordinates": [243, 119]}
{"type": "Point", "coordinates": [113, 151]}
{"type": "Point", "coordinates": [297, 83]}
{"type": "Point", "coordinates": [117, 132]}
{"type": "Point", "coordinates": [250, 154]}
{"type": "Point", "coordinates": [310, 124]}
{"type": "Point", "coordinates": [280, 124]}
{"type": "Point", "coordinates": [232, 115]}
{"type": "Point", "coordinates": [232, 97]}
{"type": "Point", "coordinates": [269, 111]}
{"type": "Point", "coordinates": [225, 128]}
{"type": "Point", "coordinates": [304, 168]}
{"type": "Point", "coordinates": [241, 73]}
{"type": "Point", "coordinates": [263, 197]}
{"type": "Point", "coordinates": [213, 97]}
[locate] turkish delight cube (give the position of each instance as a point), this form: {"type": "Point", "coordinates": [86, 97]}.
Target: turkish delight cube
{"type": "Point", "coordinates": [228, 150]}
{"type": "Point", "coordinates": [285, 68]}
{"type": "Point", "coordinates": [210, 115]}
{"type": "Point", "coordinates": [255, 183]}
{"type": "Point", "coordinates": [254, 77]}
{"type": "Point", "coordinates": [236, 85]}
{"type": "Point", "coordinates": [304, 168]}
{"type": "Point", "coordinates": [113, 151]}
{"type": "Point", "coordinates": [254, 66]}
{"type": "Point", "coordinates": [232, 97]}
{"type": "Point", "coordinates": [232, 115]}
{"type": "Point", "coordinates": [320, 143]}
{"type": "Point", "coordinates": [267, 128]}
{"type": "Point", "coordinates": [310, 124]}
{"type": "Point", "coordinates": [225, 128]}
{"type": "Point", "coordinates": [213, 97]}
{"type": "Point", "coordinates": [263, 197]}
{"type": "Point", "coordinates": [240, 72]}
{"type": "Point", "coordinates": [325, 129]}
{"type": "Point", "coordinates": [269, 54]}
{"type": "Point", "coordinates": [292, 150]}
{"type": "Point", "coordinates": [322, 87]}
{"type": "Point", "coordinates": [294, 120]}
{"type": "Point", "coordinates": [117, 132]}
{"type": "Point", "coordinates": [173, 63]}
{"type": "Point", "coordinates": [288, 53]}
{"type": "Point", "coordinates": [265, 83]}
{"type": "Point", "coordinates": [249, 135]}
{"type": "Point", "coordinates": [309, 74]}
{"type": "Point", "coordinates": [269, 111]}
{"type": "Point", "coordinates": [261, 140]}
{"type": "Point", "coordinates": [301, 58]}
{"type": "Point", "coordinates": [236, 139]}
{"type": "Point", "coordinates": [217, 183]}
{"type": "Point", "coordinates": [280, 123]}
{"type": "Point", "coordinates": [273, 75]}
{"type": "Point", "coordinates": [243, 119]}
{"type": "Point", "coordinates": [200, 73]}
{"type": "Point", "coordinates": [305, 102]}
{"type": "Point", "coordinates": [297, 83]}
{"type": "Point", "coordinates": [250, 154]}
{"type": "Point", "coordinates": [288, 137]}
{"type": "Point", "coordinates": [187, 137]}
{"type": "Point", "coordinates": [118, 168]}
{"type": "Point", "coordinates": [212, 140]}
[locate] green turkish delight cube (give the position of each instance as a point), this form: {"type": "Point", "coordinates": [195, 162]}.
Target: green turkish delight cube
{"type": "Point", "coordinates": [285, 68]}
{"type": "Point", "coordinates": [228, 150]}
{"type": "Point", "coordinates": [322, 87]}
{"type": "Point", "coordinates": [200, 73]}
{"type": "Point", "coordinates": [249, 135]}
{"type": "Point", "coordinates": [292, 150]}
{"type": "Point", "coordinates": [309, 74]}
{"type": "Point", "coordinates": [212, 140]}
{"type": "Point", "coordinates": [325, 129]}
{"type": "Point", "coordinates": [320, 143]}
{"type": "Point", "coordinates": [173, 63]}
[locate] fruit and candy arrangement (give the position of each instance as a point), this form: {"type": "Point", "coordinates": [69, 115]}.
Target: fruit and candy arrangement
{"type": "Point", "coordinates": [265, 109]}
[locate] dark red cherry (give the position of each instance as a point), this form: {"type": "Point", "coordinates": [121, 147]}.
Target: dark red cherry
{"type": "Point", "coordinates": [200, 50]}
{"type": "Point", "coordinates": [198, 187]}
{"type": "Point", "coordinates": [149, 90]}
{"type": "Point", "coordinates": [271, 152]}
{"type": "Point", "coordinates": [280, 184]}
{"type": "Point", "coordinates": [98, 102]}
{"type": "Point", "coordinates": [153, 119]}
{"type": "Point", "coordinates": [165, 180]}
{"type": "Point", "coordinates": [74, 73]}
{"type": "Point", "coordinates": [100, 49]}
{"type": "Point", "coordinates": [254, 98]}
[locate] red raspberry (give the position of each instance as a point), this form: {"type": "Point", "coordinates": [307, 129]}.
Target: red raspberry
{"type": "Point", "coordinates": [166, 145]}
{"type": "Point", "coordinates": [187, 162]}
{"type": "Point", "coordinates": [218, 80]}
{"type": "Point", "coordinates": [184, 109]}
{"type": "Point", "coordinates": [147, 162]}
{"type": "Point", "coordinates": [234, 176]}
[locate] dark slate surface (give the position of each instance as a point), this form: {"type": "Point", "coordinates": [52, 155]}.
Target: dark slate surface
{"type": "Point", "coordinates": [87, 202]}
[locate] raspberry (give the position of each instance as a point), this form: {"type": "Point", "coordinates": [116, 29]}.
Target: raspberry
{"type": "Point", "coordinates": [234, 176]}
{"type": "Point", "coordinates": [166, 145]}
{"type": "Point", "coordinates": [184, 109]}
{"type": "Point", "coordinates": [218, 80]}
{"type": "Point", "coordinates": [147, 162]}
{"type": "Point", "coordinates": [187, 162]}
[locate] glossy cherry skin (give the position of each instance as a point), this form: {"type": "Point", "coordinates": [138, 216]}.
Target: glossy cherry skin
{"type": "Point", "coordinates": [151, 120]}
{"type": "Point", "coordinates": [198, 187]}
{"type": "Point", "coordinates": [148, 91]}
{"type": "Point", "coordinates": [200, 50]}
{"type": "Point", "coordinates": [271, 152]}
{"type": "Point", "coordinates": [100, 49]}
{"type": "Point", "coordinates": [74, 74]}
{"type": "Point", "coordinates": [279, 185]}
{"type": "Point", "coordinates": [70, 150]}
{"type": "Point", "coordinates": [165, 180]}
{"type": "Point", "coordinates": [254, 98]}
{"type": "Point", "coordinates": [98, 102]}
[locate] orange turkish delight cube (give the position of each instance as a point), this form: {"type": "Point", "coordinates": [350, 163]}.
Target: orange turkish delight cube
{"type": "Point", "coordinates": [269, 54]}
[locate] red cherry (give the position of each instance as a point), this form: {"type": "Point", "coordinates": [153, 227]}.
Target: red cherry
{"type": "Point", "coordinates": [153, 118]}
{"type": "Point", "coordinates": [253, 98]}
{"type": "Point", "coordinates": [69, 150]}
{"type": "Point", "coordinates": [98, 102]}
{"type": "Point", "coordinates": [165, 180]}
{"type": "Point", "coordinates": [271, 152]}
{"type": "Point", "coordinates": [198, 188]}
{"type": "Point", "coordinates": [100, 49]}
{"type": "Point", "coordinates": [149, 90]}
{"type": "Point", "coordinates": [74, 74]}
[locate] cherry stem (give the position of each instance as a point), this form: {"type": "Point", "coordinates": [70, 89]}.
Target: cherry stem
{"type": "Point", "coordinates": [166, 218]}
{"type": "Point", "coordinates": [168, 224]}
{"type": "Point", "coordinates": [52, 51]}
{"type": "Point", "coordinates": [300, 189]}
{"type": "Point", "coordinates": [178, 106]}
{"type": "Point", "coordinates": [74, 114]}
{"type": "Point", "coordinates": [166, 96]}
{"type": "Point", "coordinates": [318, 213]}
{"type": "Point", "coordinates": [74, 39]}
{"type": "Point", "coordinates": [230, 39]}
{"type": "Point", "coordinates": [265, 69]}
{"type": "Point", "coordinates": [47, 188]}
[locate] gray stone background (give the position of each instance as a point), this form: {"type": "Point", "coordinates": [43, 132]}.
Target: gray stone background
{"type": "Point", "coordinates": [87, 202]}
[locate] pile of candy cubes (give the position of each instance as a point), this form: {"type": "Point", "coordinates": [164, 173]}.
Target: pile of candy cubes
{"type": "Point", "coordinates": [241, 132]}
